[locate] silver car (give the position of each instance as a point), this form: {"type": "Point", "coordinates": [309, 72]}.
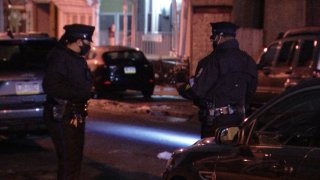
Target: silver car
{"type": "Point", "coordinates": [22, 61]}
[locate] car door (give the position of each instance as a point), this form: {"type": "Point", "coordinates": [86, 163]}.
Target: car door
{"type": "Point", "coordinates": [309, 168]}
{"type": "Point", "coordinates": [306, 61]}
{"type": "Point", "coordinates": [278, 142]}
{"type": "Point", "coordinates": [275, 67]}
{"type": "Point", "coordinates": [267, 158]}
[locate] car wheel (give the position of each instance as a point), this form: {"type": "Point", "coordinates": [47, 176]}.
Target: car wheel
{"type": "Point", "coordinates": [98, 95]}
{"type": "Point", "coordinates": [147, 93]}
{"type": "Point", "coordinates": [94, 95]}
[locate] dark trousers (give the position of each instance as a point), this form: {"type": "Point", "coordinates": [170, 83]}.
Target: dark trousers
{"type": "Point", "coordinates": [68, 141]}
{"type": "Point", "coordinates": [208, 129]}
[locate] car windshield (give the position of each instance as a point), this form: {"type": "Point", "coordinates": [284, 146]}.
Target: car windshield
{"type": "Point", "coordinates": [24, 55]}
{"type": "Point", "coordinates": [292, 122]}
{"type": "Point", "coordinates": [123, 56]}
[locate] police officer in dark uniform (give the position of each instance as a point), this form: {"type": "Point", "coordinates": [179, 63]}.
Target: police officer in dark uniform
{"type": "Point", "coordinates": [67, 83]}
{"type": "Point", "coordinates": [225, 81]}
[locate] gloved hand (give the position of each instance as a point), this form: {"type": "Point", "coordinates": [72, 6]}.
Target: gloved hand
{"type": "Point", "coordinates": [76, 119]}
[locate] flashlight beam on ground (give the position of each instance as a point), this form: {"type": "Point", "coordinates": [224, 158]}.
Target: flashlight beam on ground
{"type": "Point", "coordinates": [165, 137]}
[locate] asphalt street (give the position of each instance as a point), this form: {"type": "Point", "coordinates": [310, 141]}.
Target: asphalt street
{"type": "Point", "coordinates": [149, 131]}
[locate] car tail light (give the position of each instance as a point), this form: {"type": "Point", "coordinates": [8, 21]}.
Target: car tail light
{"type": "Point", "coordinates": [151, 80]}
{"type": "Point", "coordinates": [107, 82]}
{"type": "Point", "coordinates": [316, 74]}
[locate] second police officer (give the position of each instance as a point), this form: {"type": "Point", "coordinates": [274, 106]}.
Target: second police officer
{"type": "Point", "coordinates": [67, 83]}
{"type": "Point", "coordinates": [224, 81]}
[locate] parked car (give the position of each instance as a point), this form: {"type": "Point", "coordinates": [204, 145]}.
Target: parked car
{"type": "Point", "coordinates": [170, 70]}
{"type": "Point", "coordinates": [118, 68]}
{"type": "Point", "coordinates": [285, 62]}
{"type": "Point", "coordinates": [278, 141]}
{"type": "Point", "coordinates": [22, 60]}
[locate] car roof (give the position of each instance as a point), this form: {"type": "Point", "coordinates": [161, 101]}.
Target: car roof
{"type": "Point", "coordinates": [24, 37]}
{"type": "Point", "coordinates": [303, 31]}
{"type": "Point", "coordinates": [305, 85]}
{"type": "Point", "coordinates": [109, 48]}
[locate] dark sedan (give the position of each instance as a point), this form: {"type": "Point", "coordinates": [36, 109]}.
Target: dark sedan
{"type": "Point", "coordinates": [118, 68]}
{"type": "Point", "coordinates": [278, 141]}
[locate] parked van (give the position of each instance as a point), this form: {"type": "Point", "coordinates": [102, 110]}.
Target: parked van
{"type": "Point", "coordinates": [287, 61]}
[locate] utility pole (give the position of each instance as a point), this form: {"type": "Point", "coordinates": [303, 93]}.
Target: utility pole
{"type": "Point", "coordinates": [146, 13]}
{"type": "Point", "coordinates": [1, 16]}
{"type": "Point", "coordinates": [134, 17]}
{"type": "Point", "coordinates": [174, 31]}
{"type": "Point", "coordinates": [125, 22]}
{"type": "Point", "coordinates": [183, 21]}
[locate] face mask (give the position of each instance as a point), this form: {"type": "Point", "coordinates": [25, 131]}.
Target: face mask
{"type": "Point", "coordinates": [215, 40]}
{"type": "Point", "coordinates": [84, 49]}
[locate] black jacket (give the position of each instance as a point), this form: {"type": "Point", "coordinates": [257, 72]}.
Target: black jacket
{"type": "Point", "coordinates": [67, 76]}
{"type": "Point", "coordinates": [226, 76]}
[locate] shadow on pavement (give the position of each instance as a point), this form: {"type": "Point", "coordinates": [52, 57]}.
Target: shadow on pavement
{"type": "Point", "coordinates": [107, 172]}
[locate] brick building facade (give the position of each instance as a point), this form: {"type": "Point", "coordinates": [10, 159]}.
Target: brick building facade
{"type": "Point", "coordinates": [261, 21]}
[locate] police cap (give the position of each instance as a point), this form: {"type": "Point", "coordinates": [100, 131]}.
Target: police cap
{"type": "Point", "coordinates": [79, 31]}
{"type": "Point", "coordinates": [226, 28]}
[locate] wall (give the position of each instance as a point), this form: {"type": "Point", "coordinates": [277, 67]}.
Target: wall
{"type": "Point", "coordinates": [204, 12]}
{"type": "Point", "coordinates": [201, 30]}
{"type": "Point", "coordinates": [42, 17]}
{"type": "Point", "coordinates": [211, 2]}
{"type": "Point", "coordinates": [251, 41]}
{"type": "Point", "coordinates": [111, 6]}
{"type": "Point", "coordinates": [248, 13]}
{"type": "Point", "coordinates": [282, 15]}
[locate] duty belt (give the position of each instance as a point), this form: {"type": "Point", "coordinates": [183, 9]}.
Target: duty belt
{"type": "Point", "coordinates": [222, 110]}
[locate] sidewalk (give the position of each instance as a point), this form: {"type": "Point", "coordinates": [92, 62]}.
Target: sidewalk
{"type": "Point", "coordinates": [165, 90]}
{"type": "Point", "coordinates": [174, 109]}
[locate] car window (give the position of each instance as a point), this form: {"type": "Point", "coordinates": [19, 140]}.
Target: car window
{"type": "Point", "coordinates": [294, 121]}
{"type": "Point", "coordinates": [124, 56]}
{"type": "Point", "coordinates": [133, 55]}
{"type": "Point", "coordinates": [268, 56]}
{"type": "Point", "coordinates": [26, 55]}
{"type": "Point", "coordinates": [286, 54]}
{"type": "Point", "coordinates": [306, 53]}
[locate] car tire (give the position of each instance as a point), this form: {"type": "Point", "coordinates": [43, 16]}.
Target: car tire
{"type": "Point", "coordinates": [94, 95]}
{"type": "Point", "coordinates": [147, 93]}
{"type": "Point", "coordinates": [98, 95]}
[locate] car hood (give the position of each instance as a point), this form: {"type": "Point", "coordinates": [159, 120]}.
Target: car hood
{"type": "Point", "coordinates": [201, 150]}
{"type": "Point", "coordinates": [202, 143]}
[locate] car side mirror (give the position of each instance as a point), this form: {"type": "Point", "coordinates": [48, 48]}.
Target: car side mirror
{"type": "Point", "coordinates": [228, 136]}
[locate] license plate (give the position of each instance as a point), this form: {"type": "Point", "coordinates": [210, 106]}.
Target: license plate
{"type": "Point", "coordinates": [130, 70]}
{"type": "Point", "coordinates": [27, 88]}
